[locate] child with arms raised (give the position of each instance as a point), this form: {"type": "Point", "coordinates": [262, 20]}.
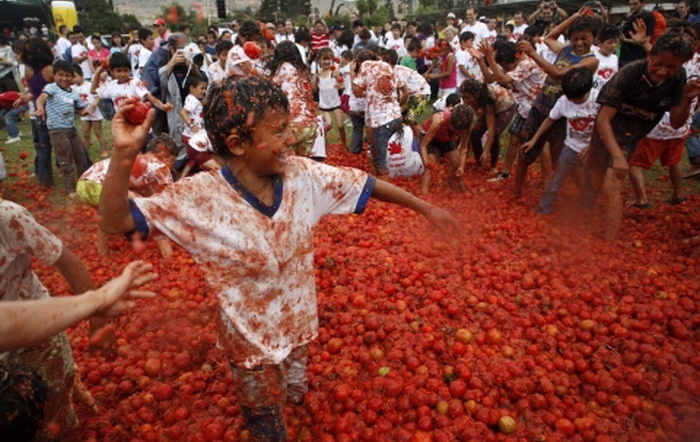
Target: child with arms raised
{"type": "Point", "coordinates": [250, 228]}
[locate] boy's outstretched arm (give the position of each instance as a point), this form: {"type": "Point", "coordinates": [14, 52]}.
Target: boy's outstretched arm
{"type": "Point", "coordinates": [128, 139]}
{"type": "Point", "coordinates": [440, 218]}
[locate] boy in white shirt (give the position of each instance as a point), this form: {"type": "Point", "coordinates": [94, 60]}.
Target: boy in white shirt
{"type": "Point", "coordinates": [394, 40]}
{"type": "Point", "coordinates": [250, 228]}
{"type": "Point", "coordinates": [608, 39]}
{"type": "Point", "coordinates": [467, 66]}
{"type": "Point", "coordinates": [147, 42]}
{"type": "Point", "coordinates": [578, 105]}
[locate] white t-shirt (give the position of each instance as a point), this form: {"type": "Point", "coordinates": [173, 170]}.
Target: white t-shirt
{"type": "Point", "coordinates": [580, 119]}
{"type": "Point", "coordinates": [216, 72]}
{"type": "Point", "coordinates": [491, 35]}
{"type": "Point", "coordinates": [544, 52]}
{"type": "Point", "coordinates": [257, 259]}
{"type": "Point", "coordinates": [78, 50]}
{"type": "Point", "coordinates": [61, 45]}
{"type": "Point", "coordinates": [464, 58]}
{"type": "Point", "coordinates": [480, 31]}
{"type": "Point", "coordinates": [518, 32]}
{"type": "Point", "coordinates": [395, 44]}
{"type": "Point", "coordinates": [319, 148]}
{"type": "Point", "coordinates": [195, 111]}
{"type": "Point", "coordinates": [133, 53]}
{"type": "Point", "coordinates": [379, 82]}
{"type": "Point", "coordinates": [149, 174]}
{"type": "Point", "coordinates": [236, 56]}
{"type": "Point", "coordinates": [112, 90]}
{"type": "Point", "coordinates": [415, 82]}
{"type": "Point", "coordinates": [87, 99]}
{"type": "Point", "coordinates": [607, 67]}
{"type": "Point", "coordinates": [144, 55]}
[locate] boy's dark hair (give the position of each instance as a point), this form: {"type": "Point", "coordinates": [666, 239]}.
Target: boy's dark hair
{"type": "Point", "coordinates": [414, 45]}
{"type": "Point", "coordinates": [163, 140]}
{"type": "Point", "coordinates": [461, 117]}
{"type": "Point", "coordinates": [37, 54]}
{"type": "Point", "coordinates": [248, 30]}
{"type": "Point", "coordinates": [364, 34]}
{"type": "Point", "coordinates": [23, 394]}
{"type": "Point", "coordinates": [396, 26]}
{"type": "Point", "coordinates": [584, 23]}
{"type": "Point", "coordinates": [453, 99]}
{"type": "Point", "coordinates": [361, 56]}
{"type": "Point", "coordinates": [223, 45]}
{"type": "Point", "coordinates": [465, 36]}
{"type": "Point", "coordinates": [229, 105]}
{"type": "Point", "coordinates": [77, 70]}
{"type": "Point", "coordinates": [211, 33]}
{"type": "Point", "coordinates": [194, 80]}
{"type": "Point", "coordinates": [62, 66]}
{"type": "Point", "coordinates": [185, 26]}
{"type": "Point", "coordinates": [608, 32]}
{"type": "Point", "coordinates": [144, 33]}
{"type": "Point", "coordinates": [286, 51]}
{"type": "Point", "coordinates": [301, 36]}
{"type": "Point", "coordinates": [678, 41]}
{"type": "Point", "coordinates": [94, 37]}
{"type": "Point", "coordinates": [577, 83]}
{"type": "Point", "coordinates": [509, 26]}
{"type": "Point", "coordinates": [532, 32]}
{"type": "Point", "coordinates": [357, 23]}
{"type": "Point", "coordinates": [346, 54]}
{"type": "Point", "coordinates": [506, 53]}
{"type": "Point", "coordinates": [78, 29]}
{"type": "Point", "coordinates": [119, 60]}
{"type": "Point", "coordinates": [390, 56]}
{"type": "Point", "coordinates": [347, 38]}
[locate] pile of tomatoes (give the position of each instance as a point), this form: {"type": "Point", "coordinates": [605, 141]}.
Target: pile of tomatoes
{"type": "Point", "coordinates": [519, 328]}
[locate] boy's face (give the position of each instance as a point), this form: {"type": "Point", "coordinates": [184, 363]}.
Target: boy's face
{"type": "Point", "coordinates": [199, 91]}
{"type": "Point", "coordinates": [78, 79]}
{"type": "Point", "coordinates": [663, 66]}
{"type": "Point", "coordinates": [279, 28]}
{"type": "Point", "coordinates": [63, 79]}
{"type": "Point", "coordinates": [223, 56]}
{"type": "Point", "coordinates": [410, 30]}
{"type": "Point", "coordinates": [73, 39]}
{"type": "Point", "coordinates": [211, 40]}
{"type": "Point", "coordinates": [581, 41]}
{"type": "Point", "coordinates": [608, 46]}
{"type": "Point", "coordinates": [121, 74]}
{"type": "Point", "coordinates": [271, 145]}
{"type": "Point", "coordinates": [149, 42]}
{"type": "Point", "coordinates": [396, 33]}
{"type": "Point", "coordinates": [467, 44]}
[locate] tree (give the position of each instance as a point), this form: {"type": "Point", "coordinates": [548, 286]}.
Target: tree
{"type": "Point", "coordinates": [99, 16]}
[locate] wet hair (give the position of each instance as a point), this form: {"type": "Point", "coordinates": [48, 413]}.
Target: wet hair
{"type": "Point", "coordinates": [195, 80]}
{"type": "Point", "coordinates": [390, 56]}
{"type": "Point", "coordinates": [414, 45]}
{"type": "Point", "coordinates": [162, 140]}
{"type": "Point", "coordinates": [584, 23]}
{"type": "Point", "coordinates": [119, 60]}
{"type": "Point", "coordinates": [478, 89]}
{"type": "Point", "coordinates": [144, 33]}
{"type": "Point", "coordinates": [461, 117]}
{"type": "Point", "coordinates": [465, 36]}
{"type": "Point", "coordinates": [608, 32]}
{"type": "Point", "coordinates": [506, 53]}
{"type": "Point", "coordinates": [62, 66]}
{"type": "Point", "coordinates": [23, 394]}
{"type": "Point", "coordinates": [286, 52]}
{"type": "Point", "coordinates": [577, 83]}
{"type": "Point", "coordinates": [453, 99]}
{"type": "Point", "coordinates": [37, 54]}
{"type": "Point", "coordinates": [223, 45]}
{"type": "Point", "coordinates": [678, 41]}
{"type": "Point", "coordinates": [346, 54]}
{"type": "Point", "coordinates": [325, 52]}
{"type": "Point", "coordinates": [347, 38]}
{"type": "Point", "coordinates": [248, 30]}
{"type": "Point", "coordinates": [77, 70]}
{"type": "Point", "coordinates": [229, 105]}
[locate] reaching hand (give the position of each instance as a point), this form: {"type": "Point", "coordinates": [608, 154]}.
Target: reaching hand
{"type": "Point", "coordinates": [118, 294]}
{"type": "Point", "coordinates": [692, 88]}
{"type": "Point", "coordinates": [443, 220]}
{"type": "Point", "coordinates": [486, 49]}
{"type": "Point", "coordinates": [526, 146]}
{"type": "Point", "coordinates": [639, 34]}
{"type": "Point", "coordinates": [129, 138]}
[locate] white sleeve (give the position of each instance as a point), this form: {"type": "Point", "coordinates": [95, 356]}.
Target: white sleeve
{"type": "Point", "coordinates": [559, 108]}
{"type": "Point", "coordinates": [338, 190]}
{"type": "Point", "coordinates": [21, 231]}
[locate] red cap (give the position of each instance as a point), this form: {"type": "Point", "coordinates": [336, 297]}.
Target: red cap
{"type": "Point", "coordinates": [159, 22]}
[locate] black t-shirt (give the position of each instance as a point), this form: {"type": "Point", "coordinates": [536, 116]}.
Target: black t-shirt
{"type": "Point", "coordinates": [629, 51]}
{"type": "Point", "coordinates": [640, 104]}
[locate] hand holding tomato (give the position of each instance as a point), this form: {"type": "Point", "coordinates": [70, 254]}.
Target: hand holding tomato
{"type": "Point", "coordinates": [167, 107]}
{"type": "Point", "coordinates": [130, 127]}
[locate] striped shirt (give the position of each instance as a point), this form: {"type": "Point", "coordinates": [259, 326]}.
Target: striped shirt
{"type": "Point", "coordinates": [60, 106]}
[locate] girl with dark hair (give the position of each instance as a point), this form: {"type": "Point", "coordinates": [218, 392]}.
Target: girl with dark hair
{"type": "Point", "coordinates": [117, 43]}
{"type": "Point", "coordinates": [495, 107]}
{"type": "Point", "coordinates": [344, 42]}
{"type": "Point", "coordinates": [38, 58]}
{"type": "Point", "coordinates": [289, 73]}
{"type": "Point", "coordinates": [447, 70]}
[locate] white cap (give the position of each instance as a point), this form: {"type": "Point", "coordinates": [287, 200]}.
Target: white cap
{"type": "Point", "coordinates": [451, 15]}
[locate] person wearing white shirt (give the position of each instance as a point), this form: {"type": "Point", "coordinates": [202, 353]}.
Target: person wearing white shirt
{"type": "Point", "coordinates": [608, 64]}
{"type": "Point", "coordinates": [62, 43]}
{"type": "Point", "coordinates": [147, 44]}
{"type": "Point", "coordinates": [394, 41]}
{"type": "Point", "coordinates": [79, 53]}
{"type": "Point", "coordinates": [474, 26]}
{"type": "Point", "coordinates": [519, 26]}
{"type": "Point", "coordinates": [492, 33]}
{"type": "Point", "coordinates": [357, 26]}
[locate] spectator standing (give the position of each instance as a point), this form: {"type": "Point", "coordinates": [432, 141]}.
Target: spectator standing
{"type": "Point", "coordinates": [471, 24]}
{"type": "Point", "coordinates": [357, 27]}
{"type": "Point", "coordinates": [343, 43]}
{"type": "Point", "coordinates": [147, 47]}
{"type": "Point", "coordinates": [238, 63]}
{"type": "Point", "coordinates": [133, 50]}
{"type": "Point", "coordinates": [631, 50]}
{"type": "Point", "coordinates": [62, 43]}
{"type": "Point", "coordinates": [97, 54]}
{"type": "Point", "coordinates": [683, 11]}
{"type": "Point", "coordinates": [319, 37]}
{"type": "Point", "coordinates": [608, 64]}
{"type": "Point", "coordinates": [546, 14]}
{"type": "Point", "coordinates": [492, 33]}
{"type": "Point", "coordinates": [450, 21]}
{"type": "Point", "coordinates": [519, 26]}
{"type": "Point", "coordinates": [68, 53]}
{"type": "Point", "coordinates": [117, 43]}
{"type": "Point", "coordinates": [393, 40]}
{"type": "Point", "coordinates": [79, 53]}
{"type": "Point", "coordinates": [288, 33]}
{"type": "Point", "coordinates": [161, 29]}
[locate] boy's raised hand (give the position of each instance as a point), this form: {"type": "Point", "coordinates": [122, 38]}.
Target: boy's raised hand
{"type": "Point", "coordinates": [128, 137]}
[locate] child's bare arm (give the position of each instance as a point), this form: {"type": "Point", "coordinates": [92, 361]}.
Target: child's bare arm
{"type": "Point", "coordinates": [607, 135]}
{"type": "Point", "coordinates": [440, 218]}
{"type": "Point", "coordinates": [555, 72]}
{"type": "Point", "coordinates": [40, 104]}
{"type": "Point", "coordinates": [128, 139]}
{"type": "Point", "coordinates": [96, 81]}
{"type": "Point", "coordinates": [680, 113]}
{"type": "Point", "coordinates": [158, 104]}
{"type": "Point", "coordinates": [551, 39]}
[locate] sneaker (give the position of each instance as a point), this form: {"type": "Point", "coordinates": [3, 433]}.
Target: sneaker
{"type": "Point", "coordinates": [693, 172]}
{"type": "Point", "coordinates": [13, 140]}
{"type": "Point", "coordinates": [500, 177]}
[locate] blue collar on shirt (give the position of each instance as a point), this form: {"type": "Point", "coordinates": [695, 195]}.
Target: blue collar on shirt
{"type": "Point", "coordinates": [253, 200]}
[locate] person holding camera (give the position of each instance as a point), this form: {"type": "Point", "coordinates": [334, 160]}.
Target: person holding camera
{"type": "Point", "coordinates": [546, 13]}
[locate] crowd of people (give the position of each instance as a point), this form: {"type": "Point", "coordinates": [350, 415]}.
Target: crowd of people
{"type": "Point", "coordinates": [587, 99]}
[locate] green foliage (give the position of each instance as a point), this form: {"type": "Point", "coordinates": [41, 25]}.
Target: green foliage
{"type": "Point", "coordinates": [99, 16]}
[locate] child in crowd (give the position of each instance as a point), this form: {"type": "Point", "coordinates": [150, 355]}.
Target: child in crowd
{"type": "Point", "coordinates": [495, 108]}
{"type": "Point", "coordinates": [148, 42]}
{"type": "Point", "coordinates": [467, 65]}
{"type": "Point", "coordinates": [344, 70]}
{"type": "Point", "coordinates": [290, 74]}
{"type": "Point", "coordinates": [633, 102]}
{"type": "Point", "coordinates": [446, 134]}
{"type": "Point", "coordinates": [410, 59]}
{"type": "Point", "coordinates": [150, 174]}
{"type": "Point", "coordinates": [121, 86]}
{"type": "Point", "coordinates": [238, 63]}
{"type": "Point", "coordinates": [328, 81]}
{"type": "Point", "coordinates": [91, 121]}
{"type": "Point", "coordinates": [608, 39]}
{"type": "Point", "coordinates": [582, 30]}
{"type": "Point", "coordinates": [393, 40]}
{"type": "Point", "coordinates": [259, 263]}
{"type": "Point", "coordinates": [524, 78]}
{"type": "Point", "coordinates": [376, 80]}
{"type": "Point", "coordinates": [58, 104]}
{"type": "Point", "coordinates": [447, 70]}
{"type": "Point", "coordinates": [217, 69]}
{"type": "Point", "coordinates": [578, 106]}
{"type": "Point", "coordinates": [192, 113]}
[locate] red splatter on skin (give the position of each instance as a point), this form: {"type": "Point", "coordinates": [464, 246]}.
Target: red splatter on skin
{"type": "Point", "coordinates": [250, 119]}
{"type": "Point", "coordinates": [261, 146]}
